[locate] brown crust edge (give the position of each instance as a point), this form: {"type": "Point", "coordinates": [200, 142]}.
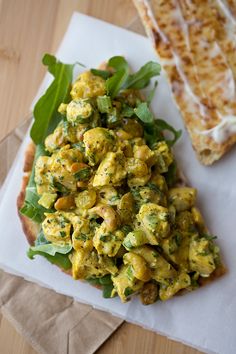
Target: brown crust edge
{"type": "Point", "coordinates": [30, 228]}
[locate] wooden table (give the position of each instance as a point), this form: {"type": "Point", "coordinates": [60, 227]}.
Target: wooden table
{"type": "Point", "coordinates": [29, 28]}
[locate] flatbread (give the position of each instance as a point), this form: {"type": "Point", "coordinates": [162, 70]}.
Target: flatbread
{"type": "Point", "coordinates": [196, 45]}
{"type": "Point", "coordinates": [30, 228]}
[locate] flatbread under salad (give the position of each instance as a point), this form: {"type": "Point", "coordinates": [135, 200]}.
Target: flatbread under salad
{"type": "Point", "coordinates": [102, 197]}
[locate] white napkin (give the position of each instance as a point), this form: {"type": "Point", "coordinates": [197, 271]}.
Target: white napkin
{"type": "Point", "coordinates": [206, 318]}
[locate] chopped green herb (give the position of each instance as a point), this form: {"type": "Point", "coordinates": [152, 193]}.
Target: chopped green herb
{"type": "Point", "coordinates": [59, 186]}
{"type": "Point", "coordinates": [208, 237]}
{"type": "Point", "coordinates": [82, 237]}
{"type": "Point", "coordinates": [104, 104]}
{"type": "Point", "coordinates": [79, 145]}
{"type": "Point", "coordinates": [127, 244]}
{"type": "Point", "coordinates": [127, 111]}
{"type": "Point", "coordinates": [83, 174]}
{"type": "Point", "coordinates": [126, 229]}
{"type": "Point", "coordinates": [155, 254]}
{"type": "Point", "coordinates": [113, 118]}
{"type": "Point", "coordinates": [153, 187]}
{"type": "Point", "coordinates": [105, 238]}
{"type": "Point", "coordinates": [114, 198]}
{"type": "Point", "coordinates": [129, 273]}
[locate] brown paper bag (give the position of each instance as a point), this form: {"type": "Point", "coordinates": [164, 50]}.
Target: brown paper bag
{"type": "Point", "coordinates": [53, 323]}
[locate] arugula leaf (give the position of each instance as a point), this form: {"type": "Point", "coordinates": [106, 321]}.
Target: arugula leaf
{"type": "Point", "coordinates": [152, 134]}
{"type": "Point", "coordinates": [106, 279]}
{"type": "Point", "coordinates": [52, 249]}
{"type": "Point", "coordinates": [163, 125]}
{"type": "Point", "coordinates": [117, 81]}
{"type": "Point", "coordinates": [122, 80]}
{"type": "Point", "coordinates": [61, 260]}
{"type": "Point", "coordinates": [142, 77]}
{"type": "Point", "coordinates": [107, 291]}
{"type": "Point", "coordinates": [154, 128]}
{"type": "Point", "coordinates": [118, 63]}
{"type": "Point", "coordinates": [31, 208]}
{"type": "Point", "coordinates": [144, 113]}
{"type": "Point", "coordinates": [128, 291]}
{"type": "Point", "coordinates": [151, 93]}
{"type": "Point", "coordinates": [171, 174]}
{"type": "Point", "coordinates": [105, 74]}
{"type": "Point", "coordinates": [45, 112]}
{"type": "Point", "coordinates": [93, 280]}
{"type": "Point", "coordinates": [105, 282]}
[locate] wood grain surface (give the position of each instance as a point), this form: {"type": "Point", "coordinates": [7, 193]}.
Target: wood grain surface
{"type": "Point", "coordinates": [29, 28]}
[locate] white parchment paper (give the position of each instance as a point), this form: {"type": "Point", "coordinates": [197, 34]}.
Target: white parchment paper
{"type": "Point", "coordinates": [205, 318]}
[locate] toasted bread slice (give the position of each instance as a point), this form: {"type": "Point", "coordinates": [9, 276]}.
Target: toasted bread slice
{"type": "Point", "coordinates": [195, 42]}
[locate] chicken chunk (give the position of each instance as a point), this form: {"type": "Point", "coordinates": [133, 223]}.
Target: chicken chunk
{"type": "Point", "coordinates": [111, 170]}
{"type": "Point", "coordinates": [88, 85]}
{"type": "Point", "coordinates": [98, 141]}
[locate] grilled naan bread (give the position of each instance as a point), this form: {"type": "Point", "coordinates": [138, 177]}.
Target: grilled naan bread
{"type": "Point", "coordinates": [196, 44]}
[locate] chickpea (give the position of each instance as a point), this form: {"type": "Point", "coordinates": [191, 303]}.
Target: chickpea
{"type": "Point", "coordinates": [65, 203]}
{"type": "Point", "coordinates": [133, 128]}
{"type": "Point", "coordinates": [125, 207]}
{"type": "Point", "coordinates": [149, 293]}
{"type": "Point", "coordinates": [81, 184]}
{"type": "Point", "coordinates": [77, 166]}
{"type": "Point", "coordinates": [123, 135]}
{"type": "Point", "coordinates": [198, 219]}
{"type": "Point", "coordinates": [144, 153]}
{"type": "Point", "coordinates": [136, 167]}
{"type": "Point", "coordinates": [182, 198]}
